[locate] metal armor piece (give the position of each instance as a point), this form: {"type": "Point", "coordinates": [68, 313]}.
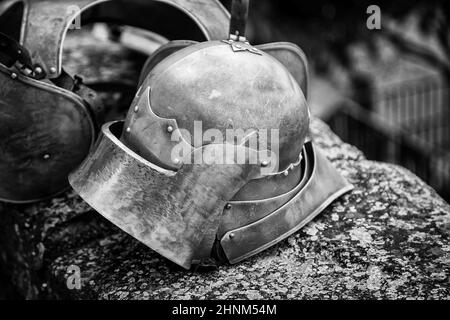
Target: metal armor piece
{"type": "Point", "coordinates": [163, 52]}
{"type": "Point", "coordinates": [43, 130]}
{"type": "Point", "coordinates": [320, 186]}
{"type": "Point", "coordinates": [49, 119]}
{"type": "Point", "coordinates": [189, 211]}
{"type": "Point", "coordinates": [289, 54]}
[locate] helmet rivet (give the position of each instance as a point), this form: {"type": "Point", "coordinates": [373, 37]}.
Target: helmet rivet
{"type": "Point", "coordinates": [176, 161]}
{"type": "Point", "coordinates": [14, 75]}
{"type": "Point", "coordinates": [286, 172]}
{"type": "Point", "coordinates": [291, 166]}
{"type": "Point", "coordinates": [169, 129]}
{"type": "Point", "coordinates": [228, 206]}
{"type": "Point", "coordinates": [231, 235]}
{"type": "Point", "coordinates": [52, 70]}
{"type": "Point", "coordinates": [46, 156]}
{"type": "Point", "coordinates": [128, 129]}
{"type": "Point", "coordinates": [38, 70]}
{"type": "Point", "coordinates": [264, 163]}
{"type": "Point", "coordinates": [136, 109]}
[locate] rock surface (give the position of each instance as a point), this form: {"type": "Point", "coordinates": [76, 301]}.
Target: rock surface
{"type": "Point", "coordinates": [387, 239]}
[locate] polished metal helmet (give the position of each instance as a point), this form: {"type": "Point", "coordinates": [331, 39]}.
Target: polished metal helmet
{"type": "Point", "coordinates": [48, 118]}
{"type": "Point", "coordinates": [213, 159]}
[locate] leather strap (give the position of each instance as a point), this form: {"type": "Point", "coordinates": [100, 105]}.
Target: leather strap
{"type": "Point", "coordinates": [239, 15]}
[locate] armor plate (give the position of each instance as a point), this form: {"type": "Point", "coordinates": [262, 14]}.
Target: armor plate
{"type": "Point", "coordinates": [48, 119]}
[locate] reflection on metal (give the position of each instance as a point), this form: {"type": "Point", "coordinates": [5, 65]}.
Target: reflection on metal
{"type": "Point", "coordinates": [171, 212]}
{"type": "Point", "coordinates": [238, 22]}
{"type": "Point", "coordinates": [242, 46]}
{"type": "Point", "coordinates": [47, 22]}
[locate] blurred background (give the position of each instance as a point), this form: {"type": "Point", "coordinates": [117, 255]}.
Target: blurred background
{"type": "Point", "coordinates": [384, 90]}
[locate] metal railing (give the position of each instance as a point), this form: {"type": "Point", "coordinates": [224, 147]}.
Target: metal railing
{"type": "Point", "coordinates": [388, 141]}
{"type": "Point", "coordinates": [419, 106]}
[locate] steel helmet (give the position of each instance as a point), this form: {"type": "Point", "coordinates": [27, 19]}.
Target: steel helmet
{"type": "Point", "coordinates": [48, 118]}
{"type": "Point", "coordinates": [174, 177]}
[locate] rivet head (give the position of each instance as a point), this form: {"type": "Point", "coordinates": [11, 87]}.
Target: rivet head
{"type": "Point", "coordinates": [169, 129]}
{"type": "Point", "coordinates": [231, 235]}
{"type": "Point", "coordinates": [264, 163]}
{"type": "Point", "coordinates": [136, 109]}
{"type": "Point", "coordinates": [14, 75]}
{"type": "Point", "coordinates": [27, 71]}
{"type": "Point", "coordinates": [286, 172]}
{"type": "Point", "coordinates": [46, 156]}
{"type": "Point", "coordinates": [38, 70]}
{"type": "Point", "coordinates": [228, 206]}
{"type": "Point", "coordinates": [176, 161]}
{"type": "Point", "coordinates": [128, 129]}
{"type": "Point", "coordinates": [52, 70]}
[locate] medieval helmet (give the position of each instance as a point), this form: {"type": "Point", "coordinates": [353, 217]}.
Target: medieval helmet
{"type": "Point", "coordinates": [49, 119]}
{"type": "Point", "coordinates": [191, 198]}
